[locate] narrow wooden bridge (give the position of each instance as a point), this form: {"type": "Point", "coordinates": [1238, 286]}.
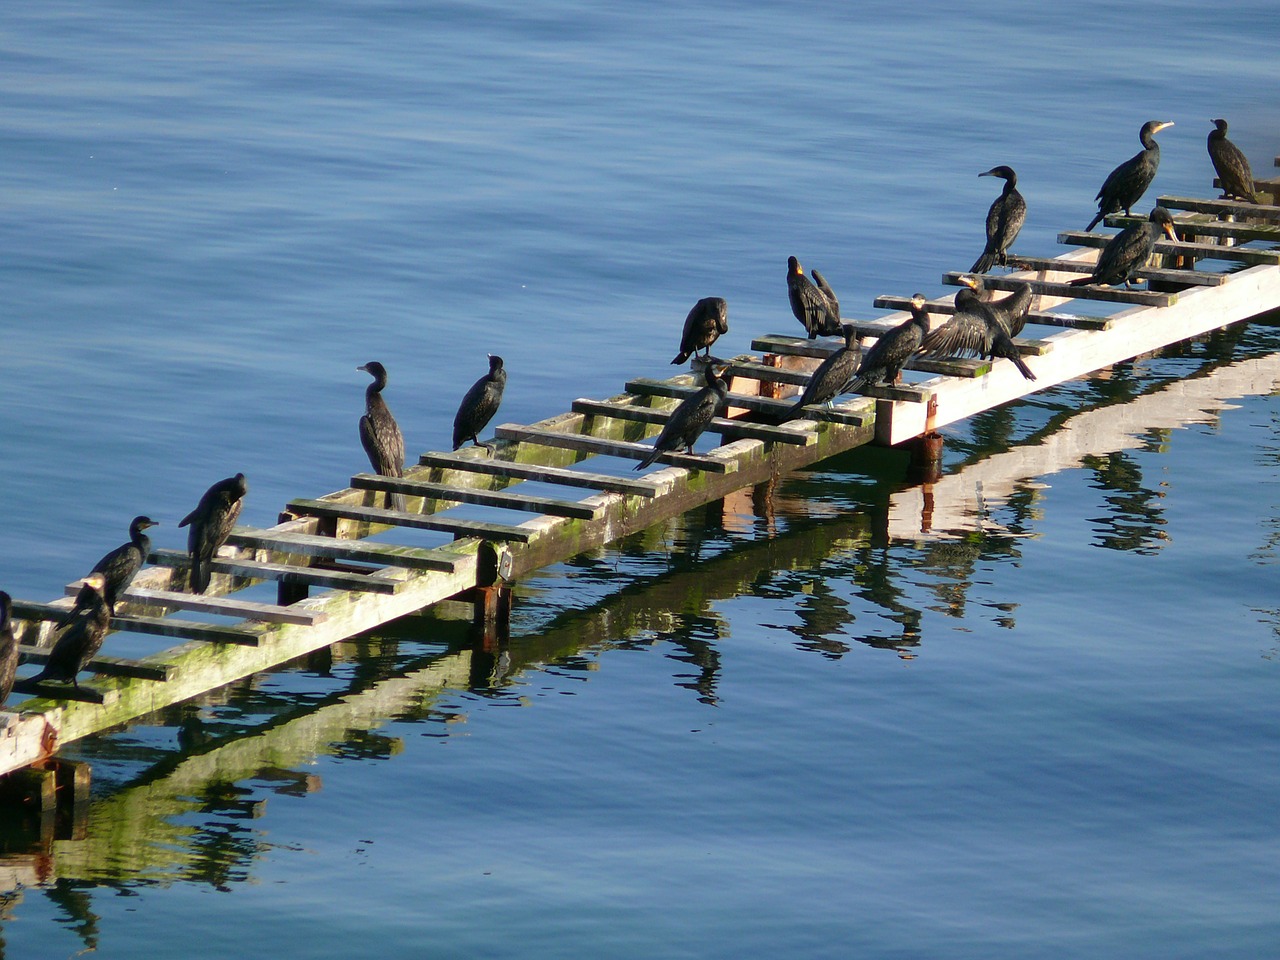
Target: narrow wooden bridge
{"type": "Point", "coordinates": [531, 502]}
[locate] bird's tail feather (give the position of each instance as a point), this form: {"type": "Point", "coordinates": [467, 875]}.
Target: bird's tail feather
{"type": "Point", "coordinates": [1080, 281]}
{"type": "Point", "coordinates": [680, 358]}
{"type": "Point", "coordinates": [1022, 367]}
{"type": "Point", "coordinates": [1095, 221]}
{"type": "Point", "coordinates": [983, 263]}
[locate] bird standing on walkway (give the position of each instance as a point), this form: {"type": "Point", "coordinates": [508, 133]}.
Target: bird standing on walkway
{"type": "Point", "coordinates": [708, 319]}
{"type": "Point", "coordinates": [379, 433]}
{"type": "Point", "coordinates": [479, 405]}
{"type": "Point", "coordinates": [690, 418]}
{"type": "Point", "coordinates": [1232, 166]}
{"type": "Point", "coordinates": [1126, 184]}
{"type": "Point", "coordinates": [809, 304]}
{"type": "Point", "coordinates": [1129, 250]}
{"type": "Point", "coordinates": [976, 329]}
{"type": "Point", "coordinates": [81, 639]}
{"type": "Point", "coordinates": [830, 378]}
{"type": "Point", "coordinates": [211, 522]}
{"type": "Point", "coordinates": [1004, 219]}
{"type": "Point", "coordinates": [887, 356]}
{"type": "Point", "coordinates": [122, 564]}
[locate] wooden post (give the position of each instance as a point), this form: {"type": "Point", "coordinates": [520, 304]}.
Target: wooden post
{"type": "Point", "coordinates": [926, 458]}
{"type": "Point", "coordinates": [491, 622]}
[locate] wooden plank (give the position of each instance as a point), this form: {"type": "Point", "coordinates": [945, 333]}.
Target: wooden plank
{"type": "Point", "coordinates": [418, 521]}
{"type": "Point", "coordinates": [224, 606]}
{"type": "Point", "coordinates": [284, 573]}
{"type": "Point", "coordinates": [797, 347]}
{"type": "Point", "coordinates": [797, 435]}
{"type": "Point", "coordinates": [841, 414]}
{"type": "Point", "coordinates": [63, 691]}
{"type": "Point", "coordinates": [750, 370]}
{"type": "Point", "coordinates": [358, 551]}
{"type": "Point", "coordinates": [107, 666]}
{"type": "Point", "coordinates": [1052, 289]}
{"type": "Point", "coordinates": [612, 448]}
{"type": "Point", "coordinates": [152, 626]}
{"type": "Point", "coordinates": [562, 476]}
{"type": "Point", "coordinates": [1203, 225]}
{"type": "Point", "coordinates": [1041, 317]}
{"type": "Point", "coordinates": [1194, 278]}
{"type": "Point", "coordinates": [1211, 251]}
{"type": "Point", "coordinates": [488, 498]}
{"type": "Point", "coordinates": [1236, 208]}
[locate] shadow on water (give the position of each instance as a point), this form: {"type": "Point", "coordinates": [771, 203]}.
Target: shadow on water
{"type": "Point", "coordinates": [177, 798]}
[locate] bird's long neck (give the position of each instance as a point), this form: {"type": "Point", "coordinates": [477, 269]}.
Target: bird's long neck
{"type": "Point", "coordinates": [1149, 142]}
{"type": "Point", "coordinates": [140, 539]}
{"type": "Point", "coordinates": [1010, 182]}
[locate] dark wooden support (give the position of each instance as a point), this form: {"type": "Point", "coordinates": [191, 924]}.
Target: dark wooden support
{"type": "Point", "coordinates": [926, 458]}
{"type": "Point", "coordinates": [1042, 318]}
{"type": "Point", "coordinates": [1088, 292]}
{"type": "Point", "coordinates": [491, 622]}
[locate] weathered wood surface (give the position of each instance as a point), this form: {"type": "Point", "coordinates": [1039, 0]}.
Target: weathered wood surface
{"type": "Point", "coordinates": [418, 521]}
{"type": "Point", "coordinates": [1204, 251]}
{"type": "Point", "coordinates": [152, 626]}
{"type": "Point", "coordinates": [854, 415]}
{"type": "Point", "coordinates": [798, 434]}
{"type": "Point", "coordinates": [1193, 278]}
{"type": "Point", "coordinates": [612, 448]}
{"type": "Point", "coordinates": [373, 582]}
{"type": "Point", "coordinates": [539, 473]}
{"type": "Point", "coordinates": [107, 666]}
{"type": "Point", "coordinates": [1236, 208]}
{"type": "Point", "coordinates": [359, 551]}
{"type": "Point", "coordinates": [489, 498]}
{"type": "Point", "coordinates": [1065, 291]}
{"type": "Point", "coordinates": [222, 606]}
{"type": "Point", "coordinates": [1042, 318]}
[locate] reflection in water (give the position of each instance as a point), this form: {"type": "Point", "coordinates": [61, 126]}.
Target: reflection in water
{"type": "Point", "coordinates": [1136, 521]}
{"type": "Point", "coordinates": [72, 899]}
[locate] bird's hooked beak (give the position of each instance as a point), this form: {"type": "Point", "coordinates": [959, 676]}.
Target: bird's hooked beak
{"type": "Point", "coordinates": [1162, 124]}
{"type": "Point", "coordinates": [970, 282]}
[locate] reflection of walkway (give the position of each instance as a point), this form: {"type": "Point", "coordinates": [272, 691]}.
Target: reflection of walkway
{"type": "Point", "coordinates": [960, 503]}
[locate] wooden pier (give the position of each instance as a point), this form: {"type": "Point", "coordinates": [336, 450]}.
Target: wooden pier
{"type": "Point", "coordinates": [551, 490]}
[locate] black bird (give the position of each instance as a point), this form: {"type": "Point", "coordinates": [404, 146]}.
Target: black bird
{"type": "Point", "coordinates": [122, 564]}
{"type": "Point", "coordinates": [833, 301]}
{"type": "Point", "coordinates": [831, 376]}
{"type": "Point", "coordinates": [8, 648]}
{"type": "Point", "coordinates": [479, 405]}
{"type": "Point", "coordinates": [976, 329]}
{"type": "Point", "coordinates": [1005, 218]}
{"type": "Point", "coordinates": [79, 640]}
{"type": "Point", "coordinates": [1234, 172]}
{"type": "Point", "coordinates": [211, 522]}
{"type": "Point", "coordinates": [702, 327]}
{"type": "Point", "coordinates": [809, 304]}
{"type": "Point", "coordinates": [690, 418]}
{"type": "Point", "coordinates": [1126, 184]}
{"type": "Point", "coordinates": [1129, 250]}
{"type": "Point", "coordinates": [379, 433]}
{"type": "Point", "coordinates": [1012, 310]}
{"type": "Point", "coordinates": [884, 361]}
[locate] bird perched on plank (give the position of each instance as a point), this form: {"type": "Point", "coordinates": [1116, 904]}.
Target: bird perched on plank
{"type": "Point", "coordinates": [1232, 166]}
{"type": "Point", "coordinates": [211, 522]}
{"type": "Point", "coordinates": [809, 304]}
{"type": "Point", "coordinates": [379, 433]}
{"type": "Point", "coordinates": [708, 319]}
{"type": "Point", "coordinates": [887, 356]}
{"type": "Point", "coordinates": [831, 376]}
{"type": "Point", "coordinates": [1126, 184]}
{"type": "Point", "coordinates": [122, 564]}
{"type": "Point", "coordinates": [833, 302]}
{"type": "Point", "coordinates": [976, 329]}
{"type": "Point", "coordinates": [8, 648]}
{"type": "Point", "coordinates": [79, 640]}
{"type": "Point", "coordinates": [689, 419]}
{"type": "Point", "coordinates": [1005, 218]}
{"type": "Point", "coordinates": [1129, 250]}
{"type": "Point", "coordinates": [479, 405]}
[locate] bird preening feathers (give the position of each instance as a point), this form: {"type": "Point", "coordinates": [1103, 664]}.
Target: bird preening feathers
{"type": "Point", "coordinates": [211, 523]}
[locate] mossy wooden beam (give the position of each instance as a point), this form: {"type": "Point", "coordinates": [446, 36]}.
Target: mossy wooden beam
{"type": "Point", "coordinates": [1201, 251]}
{"type": "Point", "coordinates": [1042, 317]}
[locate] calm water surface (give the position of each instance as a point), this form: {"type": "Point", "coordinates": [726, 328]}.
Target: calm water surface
{"type": "Point", "coordinates": [1044, 728]}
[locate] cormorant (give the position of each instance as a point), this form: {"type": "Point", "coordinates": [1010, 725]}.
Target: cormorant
{"type": "Point", "coordinates": [211, 522]}
{"type": "Point", "coordinates": [887, 356]}
{"type": "Point", "coordinates": [8, 648]}
{"type": "Point", "coordinates": [702, 327]}
{"type": "Point", "coordinates": [1129, 250]}
{"type": "Point", "coordinates": [379, 433]}
{"type": "Point", "coordinates": [831, 376]}
{"type": "Point", "coordinates": [690, 418]}
{"type": "Point", "coordinates": [977, 328]}
{"type": "Point", "coordinates": [1012, 310]}
{"type": "Point", "coordinates": [1234, 172]}
{"type": "Point", "coordinates": [81, 639]}
{"type": "Point", "coordinates": [809, 304]}
{"type": "Point", "coordinates": [479, 405]}
{"type": "Point", "coordinates": [123, 563]}
{"type": "Point", "coordinates": [1126, 184]}
{"type": "Point", "coordinates": [1004, 219]}
{"type": "Point", "coordinates": [833, 301]}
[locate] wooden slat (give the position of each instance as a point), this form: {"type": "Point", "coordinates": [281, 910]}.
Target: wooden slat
{"type": "Point", "coordinates": [1209, 251]}
{"type": "Point", "coordinates": [416, 521]}
{"type": "Point", "coordinates": [107, 666]}
{"type": "Point", "coordinates": [223, 606]}
{"type": "Point", "coordinates": [1040, 317]}
{"type": "Point", "coordinates": [644, 386]}
{"type": "Point", "coordinates": [487, 498]}
{"type": "Point", "coordinates": [1203, 225]}
{"type": "Point", "coordinates": [796, 347]}
{"type": "Point", "coordinates": [63, 691]}
{"type": "Point", "coordinates": [1237, 208]}
{"type": "Point", "coordinates": [358, 551]}
{"type": "Point", "coordinates": [798, 435]}
{"type": "Point", "coordinates": [1108, 294]}
{"type": "Point", "coordinates": [152, 626]}
{"type": "Point", "coordinates": [561, 476]}
{"type": "Point", "coordinates": [612, 448]}
{"type": "Point", "coordinates": [284, 573]}
{"type": "Point", "coordinates": [1192, 278]}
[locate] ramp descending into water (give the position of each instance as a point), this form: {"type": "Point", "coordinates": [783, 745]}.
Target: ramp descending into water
{"type": "Point", "coordinates": [339, 570]}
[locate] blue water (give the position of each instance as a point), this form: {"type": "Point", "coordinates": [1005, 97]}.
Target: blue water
{"type": "Point", "coordinates": [733, 736]}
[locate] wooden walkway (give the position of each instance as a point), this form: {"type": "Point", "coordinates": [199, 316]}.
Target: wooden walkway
{"type": "Point", "coordinates": [339, 571]}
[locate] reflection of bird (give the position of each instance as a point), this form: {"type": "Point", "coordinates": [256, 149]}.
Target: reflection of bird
{"type": "Point", "coordinates": [690, 418]}
{"type": "Point", "coordinates": [81, 639]}
{"type": "Point", "coordinates": [1126, 184]}
{"type": "Point", "coordinates": [8, 648]}
{"type": "Point", "coordinates": [702, 327]}
{"type": "Point", "coordinates": [122, 564]}
{"type": "Point", "coordinates": [479, 405]}
{"type": "Point", "coordinates": [831, 376]}
{"type": "Point", "coordinates": [833, 301]}
{"type": "Point", "coordinates": [809, 304]}
{"type": "Point", "coordinates": [379, 433]}
{"type": "Point", "coordinates": [1004, 219]}
{"type": "Point", "coordinates": [1129, 250]}
{"type": "Point", "coordinates": [211, 522]}
{"type": "Point", "coordinates": [884, 361]}
{"type": "Point", "coordinates": [976, 329]}
{"type": "Point", "coordinates": [1234, 172]}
